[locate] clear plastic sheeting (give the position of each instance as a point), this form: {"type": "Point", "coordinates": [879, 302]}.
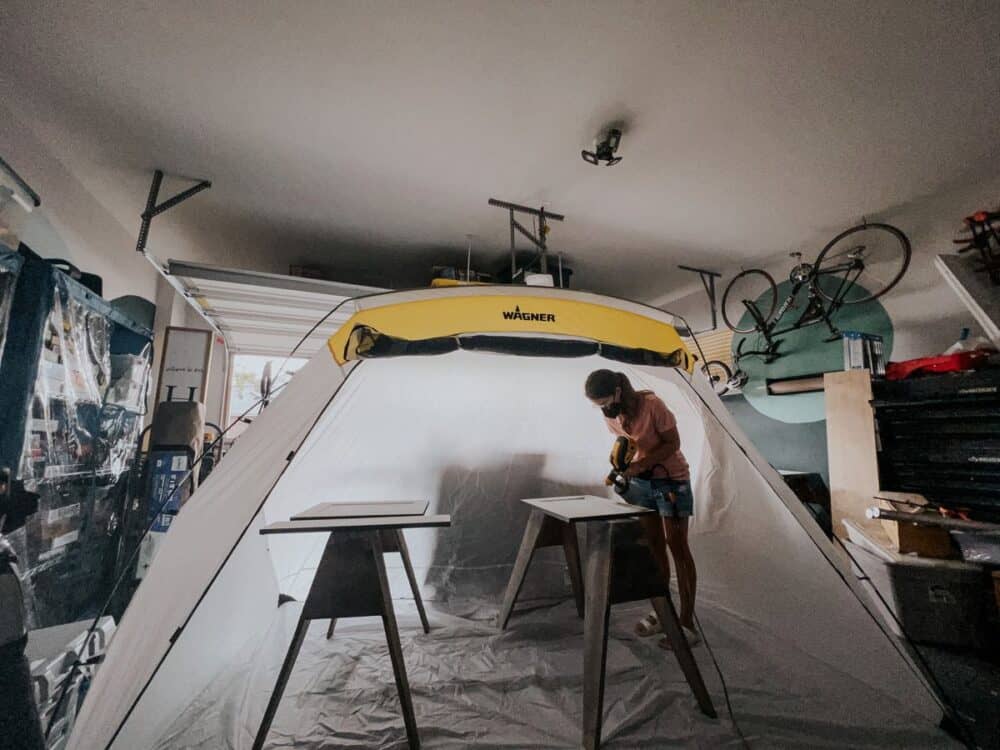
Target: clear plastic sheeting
{"type": "Point", "coordinates": [806, 662]}
{"type": "Point", "coordinates": [10, 265]}
{"type": "Point", "coordinates": [63, 435]}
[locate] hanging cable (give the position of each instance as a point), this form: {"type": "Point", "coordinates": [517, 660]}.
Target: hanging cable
{"type": "Point", "coordinates": [317, 324]}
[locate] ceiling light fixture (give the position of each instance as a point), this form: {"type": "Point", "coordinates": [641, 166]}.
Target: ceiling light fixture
{"type": "Point", "coordinates": [604, 151]}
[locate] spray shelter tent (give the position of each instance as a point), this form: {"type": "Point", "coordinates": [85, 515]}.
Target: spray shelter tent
{"type": "Point", "coordinates": [472, 398]}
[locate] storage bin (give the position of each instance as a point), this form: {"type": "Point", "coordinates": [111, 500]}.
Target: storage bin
{"type": "Point", "coordinates": [936, 601]}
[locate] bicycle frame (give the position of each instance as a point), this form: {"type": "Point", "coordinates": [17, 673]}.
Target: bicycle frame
{"type": "Point", "coordinates": [816, 310]}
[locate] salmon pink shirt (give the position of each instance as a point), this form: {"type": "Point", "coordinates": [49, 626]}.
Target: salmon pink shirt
{"type": "Point", "coordinates": [652, 419]}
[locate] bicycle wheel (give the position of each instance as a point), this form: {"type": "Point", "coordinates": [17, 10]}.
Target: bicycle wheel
{"type": "Point", "coordinates": [718, 374]}
{"type": "Point", "coordinates": [755, 287]}
{"type": "Point", "coordinates": [862, 263]}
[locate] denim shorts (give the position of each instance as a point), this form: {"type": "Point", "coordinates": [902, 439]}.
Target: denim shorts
{"type": "Point", "coordinates": [671, 499]}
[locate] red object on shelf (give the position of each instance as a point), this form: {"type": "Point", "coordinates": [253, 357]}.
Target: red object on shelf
{"type": "Point", "coordinates": [942, 363]}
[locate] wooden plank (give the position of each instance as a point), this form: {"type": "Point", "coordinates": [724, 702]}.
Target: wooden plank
{"type": "Point", "coordinates": [664, 608]}
{"type": "Point", "coordinates": [529, 542]}
{"type": "Point", "coordinates": [850, 444]}
{"type": "Point", "coordinates": [597, 607]}
{"type": "Point", "coordinates": [571, 548]}
{"type": "Point", "coordinates": [395, 648]}
{"type": "Point", "coordinates": [577, 508]}
{"type": "Point", "coordinates": [345, 581]}
{"type": "Point", "coordinates": [362, 510]}
{"type": "Point", "coordinates": [348, 524]}
{"type": "Point", "coordinates": [279, 687]}
{"type": "Point", "coordinates": [399, 544]}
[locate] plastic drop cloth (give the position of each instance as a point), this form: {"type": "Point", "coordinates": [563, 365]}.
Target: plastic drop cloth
{"type": "Point", "coordinates": [474, 686]}
{"type": "Point", "coordinates": [804, 662]}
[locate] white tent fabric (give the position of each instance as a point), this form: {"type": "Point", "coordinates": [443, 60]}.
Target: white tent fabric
{"type": "Point", "coordinates": [203, 540]}
{"type": "Point", "coordinates": [473, 433]}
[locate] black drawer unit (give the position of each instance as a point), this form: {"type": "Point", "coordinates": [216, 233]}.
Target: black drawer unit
{"type": "Point", "coordinates": [939, 435]}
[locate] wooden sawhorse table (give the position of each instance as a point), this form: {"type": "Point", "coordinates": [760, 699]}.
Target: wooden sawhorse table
{"type": "Point", "coordinates": [392, 539]}
{"type": "Point", "coordinates": [543, 531]}
{"type": "Point", "coordinates": [350, 582]}
{"type": "Point", "coordinates": [613, 574]}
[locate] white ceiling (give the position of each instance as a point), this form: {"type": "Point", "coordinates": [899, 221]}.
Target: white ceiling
{"type": "Point", "coordinates": [367, 136]}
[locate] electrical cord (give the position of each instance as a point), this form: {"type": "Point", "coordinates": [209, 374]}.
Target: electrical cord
{"type": "Point", "coordinates": [316, 325]}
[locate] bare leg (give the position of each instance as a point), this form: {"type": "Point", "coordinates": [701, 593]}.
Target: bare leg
{"type": "Point", "coordinates": [676, 532]}
{"type": "Point", "coordinates": [655, 540]}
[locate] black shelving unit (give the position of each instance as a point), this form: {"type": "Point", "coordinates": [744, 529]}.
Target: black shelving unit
{"type": "Point", "coordinates": [939, 435]}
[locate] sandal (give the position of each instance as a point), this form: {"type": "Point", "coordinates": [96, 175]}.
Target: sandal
{"type": "Point", "coordinates": [648, 625]}
{"type": "Point", "coordinates": [693, 639]}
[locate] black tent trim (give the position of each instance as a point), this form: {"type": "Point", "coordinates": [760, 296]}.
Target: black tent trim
{"type": "Point", "coordinates": [367, 343]}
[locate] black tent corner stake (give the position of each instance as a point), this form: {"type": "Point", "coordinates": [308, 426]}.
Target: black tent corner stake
{"type": "Point", "coordinates": [154, 209]}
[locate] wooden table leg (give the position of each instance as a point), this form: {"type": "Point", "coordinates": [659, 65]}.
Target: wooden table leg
{"type": "Point", "coordinates": [678, 643]}
{"type": "Point", "coordinates": [667, 615]}
{"type": "Point", "coordinates": [279, 686]}
{"type": "Point", "coordinates": [395, 647]}
{"type": "Point", "coordinates": [398, 543]}
{"type": "Point", "coordinates": [572, 549]}
{"type": "Point", "coordinates": [531, 533]}
{"type": "Point", "coordinates": [595, 629]}
{"type": "Point", "coordinates": [404, 552]}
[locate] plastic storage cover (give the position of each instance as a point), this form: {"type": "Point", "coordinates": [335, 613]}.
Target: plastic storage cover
{"type": "Point", "coordinates": [10, 264]}
{"type": "Point", "coordinates": [804, 661]}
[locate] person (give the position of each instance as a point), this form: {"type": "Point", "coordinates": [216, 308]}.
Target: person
{"type": "Point", "coordinates": [659, 479]}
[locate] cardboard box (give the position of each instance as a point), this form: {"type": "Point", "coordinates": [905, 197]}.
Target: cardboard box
{"type": "Point", "coordinates": [925, 541]}
{"type": "Point", "coordinates": [911, 538]}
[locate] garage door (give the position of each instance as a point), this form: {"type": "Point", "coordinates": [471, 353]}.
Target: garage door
{"type": "Point", "coordinates": [265, 313]}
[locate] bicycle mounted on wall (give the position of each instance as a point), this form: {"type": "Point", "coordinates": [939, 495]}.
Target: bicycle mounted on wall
{"type": "Point", "coordinates": [857, 266]}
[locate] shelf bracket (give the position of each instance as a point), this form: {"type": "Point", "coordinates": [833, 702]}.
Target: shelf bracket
{"type": "Point", "coordinates": [708, 281]}
{"type": "Point", "coordinates": [154, 209]}
{"type": "Point", "coordinates": [538, 241]}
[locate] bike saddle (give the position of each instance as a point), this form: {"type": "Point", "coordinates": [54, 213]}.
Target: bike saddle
{"type": "Point", "coordinates": [801, 272]}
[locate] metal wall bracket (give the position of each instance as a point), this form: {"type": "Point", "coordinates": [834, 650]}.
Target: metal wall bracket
{"type": "Point", "coordinates": [538, 241]}
{"type": "Point", "coordinates": [155, 209]}
{"type": "Point", "coordinates": [708, 281]}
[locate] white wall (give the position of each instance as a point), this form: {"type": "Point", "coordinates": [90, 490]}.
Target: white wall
{"type": "Point", "coordinates": [71, 223]}
{"type": "Point", "coordinates": [926, 315]}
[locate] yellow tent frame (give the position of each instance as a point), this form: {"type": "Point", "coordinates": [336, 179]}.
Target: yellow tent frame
{"type": "Point", "coordinates": [437, 317]}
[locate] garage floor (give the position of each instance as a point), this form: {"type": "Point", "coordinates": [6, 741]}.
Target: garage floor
{"type": "Point", "coordinates": [971, 682]}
